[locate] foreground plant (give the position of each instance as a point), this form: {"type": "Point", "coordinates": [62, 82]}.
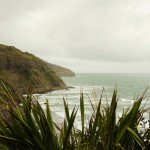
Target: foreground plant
{"type": "Point", "coordinates": [104, 132]}
{"type": "Point", "coordinates": [28, 127]}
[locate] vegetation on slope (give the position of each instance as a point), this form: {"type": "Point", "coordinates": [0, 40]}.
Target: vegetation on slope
{"type": "Point", "coordinates": [61, 71]}
{"type": "Point", "coordinates": [32, 128]}
{"type": "Point", "coordinates": [20, 69]}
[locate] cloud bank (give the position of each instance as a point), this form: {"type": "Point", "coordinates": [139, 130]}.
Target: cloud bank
{"type": "Point", "coordinates": [107, 33]}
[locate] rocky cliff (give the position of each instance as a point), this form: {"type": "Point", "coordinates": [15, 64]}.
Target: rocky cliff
{"type": "Point", "coordinates": [21, 69]}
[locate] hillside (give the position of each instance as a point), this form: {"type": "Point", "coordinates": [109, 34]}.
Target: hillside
{"type": "Point", "coordinates": [20, 69]}
{"type": "Point", "coordinates": [61, 71]}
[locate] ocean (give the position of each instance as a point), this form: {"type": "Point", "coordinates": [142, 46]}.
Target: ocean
{"type": "Point", "coordinates": [129, 87]}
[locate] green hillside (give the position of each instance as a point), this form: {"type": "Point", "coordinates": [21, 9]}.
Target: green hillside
{"type": "Point", "coordinates": [20, 69]}
{"type": "Point", "coordinates": [61, 71]}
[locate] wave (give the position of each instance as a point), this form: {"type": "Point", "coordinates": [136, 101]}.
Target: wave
{"type": "Point", "coordinates": [131, 101]}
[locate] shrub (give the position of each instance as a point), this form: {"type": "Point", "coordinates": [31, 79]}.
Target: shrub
{"type": "Point", "coordinates": [32, 128]}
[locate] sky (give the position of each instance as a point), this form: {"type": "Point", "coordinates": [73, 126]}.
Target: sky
{"type": "Point", "coordinates": [92, 36]}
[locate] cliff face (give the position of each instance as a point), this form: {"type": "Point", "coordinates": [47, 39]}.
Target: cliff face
{"type": "Point", "coordinates": [61, 71]}
{"type": "Point", "coordinates": [21, 69]}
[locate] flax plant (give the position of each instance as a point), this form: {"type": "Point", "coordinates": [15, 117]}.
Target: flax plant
{"type": "Point", "coordinates": [29, 127]}
{"type": "Point", "coordinates": [105, 132]}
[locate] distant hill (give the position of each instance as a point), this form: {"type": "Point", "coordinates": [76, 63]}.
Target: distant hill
{"type": "Point", "coordinates": [61, 71]}
{"type": "Point", "coordinates": [20, 69]}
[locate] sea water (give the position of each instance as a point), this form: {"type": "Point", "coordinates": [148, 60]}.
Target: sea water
{"type": "Point", "coordinates": [129, 87]}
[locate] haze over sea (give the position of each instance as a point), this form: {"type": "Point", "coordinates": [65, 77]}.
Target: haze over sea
{"type": "Point", "coordinates": [129, 87]}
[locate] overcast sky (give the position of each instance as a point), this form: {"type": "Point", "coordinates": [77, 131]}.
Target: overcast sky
{"type": "Point", "coordinates": [83, 35]}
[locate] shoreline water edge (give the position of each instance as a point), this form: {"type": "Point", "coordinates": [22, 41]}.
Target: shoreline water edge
{"type": "Point", "coordinates": [92, 85]}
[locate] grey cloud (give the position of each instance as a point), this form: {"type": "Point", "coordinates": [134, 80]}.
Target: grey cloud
{"type": "Point", "coordinates": [110, 31]}
{"type": "Point", "coordinates": [15, 9]}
